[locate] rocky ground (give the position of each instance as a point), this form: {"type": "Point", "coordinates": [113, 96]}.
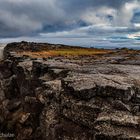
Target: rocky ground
{"type": "Point", "coordinates": [93, 97]}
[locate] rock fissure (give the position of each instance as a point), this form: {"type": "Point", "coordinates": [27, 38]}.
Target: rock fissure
{"type": "Point", "coordinates": [56, 99]}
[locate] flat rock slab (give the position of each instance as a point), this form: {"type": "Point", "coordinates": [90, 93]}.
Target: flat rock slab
{"type": "Point", "coordinates": [86, 86]}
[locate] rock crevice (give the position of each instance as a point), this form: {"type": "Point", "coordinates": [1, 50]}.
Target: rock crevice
{"type": "Point", "coordinates": [50, 99]}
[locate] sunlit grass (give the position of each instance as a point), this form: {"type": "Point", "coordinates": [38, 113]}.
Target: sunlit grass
{"type": "Point", "coordinates": [78, 52]}
{"type": "Point", "coordinates": [66, 52]}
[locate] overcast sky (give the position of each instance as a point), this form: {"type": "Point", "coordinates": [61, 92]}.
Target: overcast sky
{"type": "Point", "coordinates": [67, 19]}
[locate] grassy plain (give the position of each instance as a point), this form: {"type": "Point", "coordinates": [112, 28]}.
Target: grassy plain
{"type": "Point", "coordinates": [66, 52]}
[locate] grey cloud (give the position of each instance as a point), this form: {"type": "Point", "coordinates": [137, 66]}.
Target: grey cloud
{"type": "Point", "coordinates": [25, 18]}
{"type": "Point", "coordinates": [83, 4]}
{"type": "Point", "coordinates": [31, 17]}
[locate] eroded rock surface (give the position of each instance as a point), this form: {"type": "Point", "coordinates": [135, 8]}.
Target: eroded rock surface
{"type": "Point", "coordinates": [68, 99]}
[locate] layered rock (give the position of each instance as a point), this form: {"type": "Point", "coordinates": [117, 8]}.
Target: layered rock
{"type": "Point", "coordinates": [63, 99]}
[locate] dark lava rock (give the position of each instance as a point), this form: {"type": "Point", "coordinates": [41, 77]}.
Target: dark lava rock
{"type": "Point", "coordinates": [77, 98]}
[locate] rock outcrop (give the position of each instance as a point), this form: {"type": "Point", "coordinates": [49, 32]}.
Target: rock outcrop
{"type": "Point", "coordinates": [62, 99]}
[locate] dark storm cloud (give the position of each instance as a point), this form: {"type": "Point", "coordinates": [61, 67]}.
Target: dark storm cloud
{"type": "Point", "coordinates": [82, 4]}
{"type": "Point", "coordinates": [31, 17]}
{"type": "Point", "coordinates": [136, 17]}
{"type": "Point", "coordinates": [28, 17]}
